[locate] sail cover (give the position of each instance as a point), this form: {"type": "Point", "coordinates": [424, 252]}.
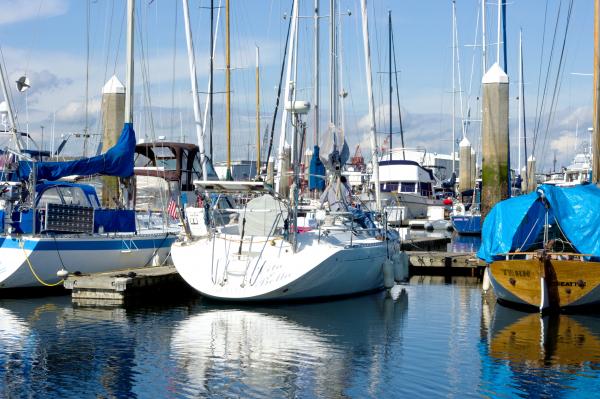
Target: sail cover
{"type": "Point", "coordinates": [516, 223]}
{"type": "Point", "coordinates": [334, 149]}
{"type": "Point", "coordinates": [117, 161]}
{"type": "Point", "coordinates": [316, 178]}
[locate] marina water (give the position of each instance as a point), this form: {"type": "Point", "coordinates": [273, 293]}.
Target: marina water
{"type": "Point", "coordinates": [422, 340]}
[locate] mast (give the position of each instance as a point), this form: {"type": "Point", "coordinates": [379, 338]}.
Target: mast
{"type": "Point", "coordinates": [332, 66]}
{"type": "Point", "coordinates": [453, 84]}
{"type": "Point", "coordinates": [210, 81]}
{"type": "Point", "coordinates": [290, 55]}
{"type": "Point", "coordinates": [194, 83]}
{"type": "Point", "coordinates": [499, 31]}
{"type": "Point", "coordinates": [483, 42]}
{"type": "Point", "coordinates": [257, 112]}
{"type": "Point", "coordinates": [596, 109]}
{"type": "Point", "coordinates": [316, 93]}
{"type": "Point", "coordinates": [11, 115]}
{"type": "Point", "coordinates": [372, 132]}
{"type": "Point", "coordinates": [129, 60]}
{"type": "Point", "coordinates": [228, 90]}
{"type": "Point", "coordinates": [520, 97]}
{"type": "Point", "coordinates": [390, 73]}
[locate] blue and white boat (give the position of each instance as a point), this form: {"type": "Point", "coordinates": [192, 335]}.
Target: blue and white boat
{"type": "Point", "coordinates": [70, 231]}
{"type": "Point", "coordinates": [49, 227]}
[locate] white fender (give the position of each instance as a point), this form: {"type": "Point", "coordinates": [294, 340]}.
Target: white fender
{"type": "Point", "coordinates": [485, 285]}
{"type": "Point", "coordinates": [388, 274]}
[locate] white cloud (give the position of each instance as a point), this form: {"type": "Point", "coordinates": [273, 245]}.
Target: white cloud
{"type": "Point", "coordinates": [24, 10]}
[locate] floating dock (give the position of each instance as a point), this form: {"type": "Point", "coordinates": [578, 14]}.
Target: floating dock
{"type": "Point", "coordinates": [118, 287]}
{"type": "Point", "coordinates": [425, 244]}
{"type": "Point", "coordinates": [446, 264]}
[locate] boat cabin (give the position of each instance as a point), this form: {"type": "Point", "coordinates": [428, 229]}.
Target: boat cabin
{"type": "Point", "coordinates": [405, 176]}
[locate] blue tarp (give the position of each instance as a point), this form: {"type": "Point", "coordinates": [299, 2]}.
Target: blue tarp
{"type": "Point", "coordinates": [316, 170]}
{"type": "Point", "coordinates": [515, 223]}
{"type": "Point", "coordinates": [117, 161]}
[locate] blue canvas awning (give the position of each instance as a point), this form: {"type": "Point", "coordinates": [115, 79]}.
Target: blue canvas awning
{"type": "Point", "coordinates": [117, 161]}
{"type": "Point", "coordinates": [515, 223]}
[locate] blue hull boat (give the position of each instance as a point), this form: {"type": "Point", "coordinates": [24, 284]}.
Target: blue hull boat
{"type": "Point", "coordinates": [467, 224]}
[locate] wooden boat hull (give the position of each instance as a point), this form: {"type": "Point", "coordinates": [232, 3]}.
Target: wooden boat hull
{"type": "Point", "coordinates": [546, 282]}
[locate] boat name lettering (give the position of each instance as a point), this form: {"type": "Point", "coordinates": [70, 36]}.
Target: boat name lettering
{"type": "Point", "coordinates": [516, 273]}
{"type": "Point", "coordinates": [570, 283]}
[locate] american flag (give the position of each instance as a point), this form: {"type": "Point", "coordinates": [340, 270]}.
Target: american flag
{"type": "Point", "coordinates": [172, 208]}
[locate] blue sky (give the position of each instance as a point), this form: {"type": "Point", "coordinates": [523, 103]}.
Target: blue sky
{"type": "Point", "coordinates": [46, 40]}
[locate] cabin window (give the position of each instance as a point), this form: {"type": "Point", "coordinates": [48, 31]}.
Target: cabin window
{"type": "Point", "coordinates": [142, 161]}
{"type": "Point", "coordinates": [74, 196]}
{"type": "Point", "coordinates": [50, 196]}
{"type": "Point", "coordinates": [408, 187]}
{"type": "Point", "coordinates": [389, 187]}
{"type": "Point", "coordinates": [425, 189]}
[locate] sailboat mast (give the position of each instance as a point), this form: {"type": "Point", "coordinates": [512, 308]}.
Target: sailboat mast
{"type": "Point", "coordinates": [129, 61]}
{"type": "Point", "coordinates": [289, 62]}
{"type": "Point", "coordinates": [332, 65]}
{"type": "Point", "coordinates": [228, 89]}
{"type": "Point", "coordinates": [210, 81]}
{"type": "Point", "coordinates": [369, 78]}
{"type": "Point", "coordinates": [11, 115]}
{"type": "Point", "coordinates": [483, 41]}
{"type": "Point", "coordinates": [194, 83]}
{"type": "Point", "coordinates": [596, 117]}
{"type": "Point", "coordinates": [316, 99]}
{"type": "Point", "coordinates": [257, 111]}
{"type": "Point", "coordinates": [453, 85]}
{"type": "Point", "coordinates": [390, 74]}
{"type": "Point", "coordinates": [520, 98]}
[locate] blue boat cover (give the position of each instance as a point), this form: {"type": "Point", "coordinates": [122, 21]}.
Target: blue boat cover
{"type": "Point", "coordinates": [514, 224]}
{"type": "Point", "coordinates": [316, 170]}
{"type": "Point", "coordinates": [117, 161]}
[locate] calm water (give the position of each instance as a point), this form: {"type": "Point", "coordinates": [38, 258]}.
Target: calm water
{"type": "Point", "coordinates": [425, 341]}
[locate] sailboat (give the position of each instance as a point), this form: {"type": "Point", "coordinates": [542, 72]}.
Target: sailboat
{"type": "Point", "coordinates": [49, 227]}
{"type": "Point", "coordinates": [267, 256]}
{"type": "Point", "coordinates": [543, 248]}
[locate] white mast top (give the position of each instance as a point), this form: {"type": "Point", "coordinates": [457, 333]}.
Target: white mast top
{"type": "Point", "coordinates": [129, 60]}
{"type": "Point", "coordinates": [369, 77]}
{"type": "Point", "coordinates": [194, 82]}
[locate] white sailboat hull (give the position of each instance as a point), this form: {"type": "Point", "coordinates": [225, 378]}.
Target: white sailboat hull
{"type": "Point", "coordinates": [318, 269]}
{"type": "Point", "coordinates": [21, 257]}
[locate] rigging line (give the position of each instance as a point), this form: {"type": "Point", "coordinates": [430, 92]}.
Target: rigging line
{"type": "Point", "coordinates": [548, 70]}
{"type": "Point", "coordinates": [398, 96]}
{"type": "Point", "coordinates": [558, 80]}
{"type": "Point", "coordinates": [537, 101]}
{"type": "Point", "coordinates": [33, 38]}
{"type": "Point", "coordinates": [285, 50]}
{"type": "Point", "coordinates": [107, 41]}
{"type": "Point", "coordinates": [123, 18]}
{"type": "Point", "coordinates": [469, 91]}
{"type": "Point", "coordinates": [460, 96]}
{"type": "Point", "coordinates": [173, 66]}
{"type": "Point", "coordinates": [87, 77]}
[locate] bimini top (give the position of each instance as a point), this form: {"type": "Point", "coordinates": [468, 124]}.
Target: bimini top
{"type": "Point", "coordinates": [117, 161]}
{"type": "Point", "coordinates": [515, 224]}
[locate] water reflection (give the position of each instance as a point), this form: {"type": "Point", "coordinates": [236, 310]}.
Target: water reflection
{"type": "Point", "coordinates": [464, 243]}
{"type": "Point", "coordinates": [548, 356]}
{"type": "Point", "coordinates": [321, 350]}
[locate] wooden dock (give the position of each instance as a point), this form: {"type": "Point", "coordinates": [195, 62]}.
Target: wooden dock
{"type": "Point", "coordinates": [118, 287]}
{"type": "Point", "coordinates": [446, 264]}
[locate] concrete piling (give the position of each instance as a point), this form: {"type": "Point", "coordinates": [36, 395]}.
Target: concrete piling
{"type": "Point", "coordinates": [495, 138]}
{"type": "Point", "coordinates": [466, 165]}
{"type": "Point", "coordinates": [113, 117]}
